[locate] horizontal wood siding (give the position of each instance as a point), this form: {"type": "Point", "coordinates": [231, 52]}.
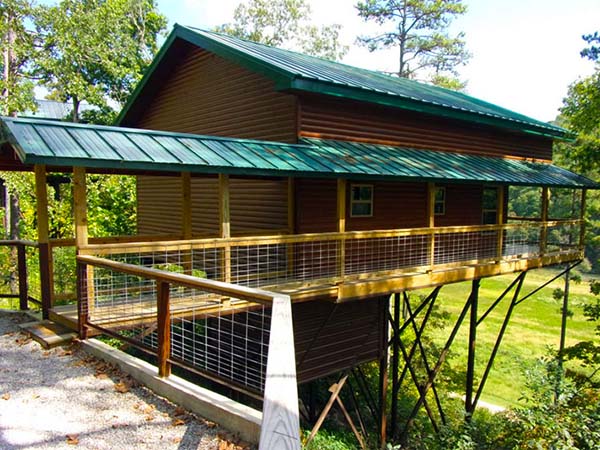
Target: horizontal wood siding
{"type": "Point", "coordinates": [159, 205]}
{"type": "Point", "coordinates": [205, 206]}
{"type": "Point", "coordinates": [206, 94]}
{"type": "Point", "coordinates": [316, 203]}
{"type": "Point", "coordinates": [330, 337]}
{"type": "Point", "coordinates": [395, 205]}
{"type": "Point", "coordinates": [258, 204]}
{"type": "Point", "coordinates": [463, 205]}
{"type": "Point", "coordinates": [355, 121]}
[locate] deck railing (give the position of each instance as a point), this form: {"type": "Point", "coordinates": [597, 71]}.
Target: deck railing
{"type": "Point", "coordinates": [22, 255]}
{"type": "Point", "coordinates": [238, 336]}
{"type": "Point", "coordinates": [275, 262]}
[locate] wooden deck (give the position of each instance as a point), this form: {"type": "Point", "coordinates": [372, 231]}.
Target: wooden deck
{"type": "Point", "coordinates": [335, 290]}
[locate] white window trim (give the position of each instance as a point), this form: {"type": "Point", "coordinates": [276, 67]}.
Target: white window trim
{"type": "Point", "coordinates": [353, 202]}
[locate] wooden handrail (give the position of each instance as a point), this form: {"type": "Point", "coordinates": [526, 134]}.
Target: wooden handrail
{"type": "Point", "coordinates": [309, 237]}
{"type": "Point", "coordinates": [212, 286]}
{"type": "Point", "coordinates": [280, 421]}
{"type": "Point", "coordinates": [16, 242]}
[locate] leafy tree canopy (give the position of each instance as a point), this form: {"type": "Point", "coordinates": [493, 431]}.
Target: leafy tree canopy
{"type": "Point", "coordinates": [96, 50]}
{"type": "Point", "coordinates": [16, 45]}
{"type": "Point", "coordinates": [285, 23]}
{"type": "Point", "coordinates": [419, 29]}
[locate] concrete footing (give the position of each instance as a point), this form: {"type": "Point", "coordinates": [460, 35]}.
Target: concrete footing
{"type": "Point", "coordinates": [234, 416]}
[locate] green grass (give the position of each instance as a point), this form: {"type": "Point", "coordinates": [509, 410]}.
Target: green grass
{"type": "Point", "coordinates": [533, 329]}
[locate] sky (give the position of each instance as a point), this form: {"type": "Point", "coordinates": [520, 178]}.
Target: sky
{"type": "Point", "coordinates": [525, 53]}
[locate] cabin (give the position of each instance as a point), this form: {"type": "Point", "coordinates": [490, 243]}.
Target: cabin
{"type": "Point", "coordinates": [286, 206]}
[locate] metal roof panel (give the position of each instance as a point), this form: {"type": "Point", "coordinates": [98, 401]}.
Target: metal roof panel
{"type": "Point", "coordinates": [64, 144]}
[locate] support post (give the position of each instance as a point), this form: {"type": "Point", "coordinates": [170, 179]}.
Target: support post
{"type": "Point", "coordinates": [564, 316]}
{"type": "Point", "coordinates": [544, 230]}
{"type": "Point", "coordinates": [225, 224]}
{"type": "Point", "coordinates": [164, 328]}
{"type": "Point", "coordinates": [23, 287]}
{"type": "Point", "coordinates": [41, 193]}
{"type": "Point", "coordinates": [500, 221]}
{"type": "Point", "coordinates": [383, 378]}
{"type": "Point", "coordinates": [82, 301]}
{"type": "Point", "coordinates": [81, 225]}
{"type": "Point", "coordinates": [431, 223]}
{"type": "Point", "coordinates": [395, 368]}
{"type": "Point", "coordinates": [582, 218]}
{"type": "Point", "coordinates": [469, 405]}
{"type": "Point", "coordinates": [186, 219]}
{"type": "Point", "coordinates": [341, 220]}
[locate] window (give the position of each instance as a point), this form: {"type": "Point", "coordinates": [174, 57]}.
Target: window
{"type": "Point", "coordinates": [361, 200]}
{"type": "Point", "coordinates": [439, 204]}
{"type": "Point", "coordinates": [490, 206]}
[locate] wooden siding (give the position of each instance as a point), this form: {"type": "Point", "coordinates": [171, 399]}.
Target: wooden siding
{"type": "Point", "coordinates": [463, 205]}
{"type": "Point", "coordinates": [332, 337]}
{"type": "Point", "coordinates": [345, 120]}
{"type": "Point", "coordinates": [206, 94]}
{"type": "Point", "coordinates": [257, 205]}
{"type": "Point", "coordinates": [159, 205]}
{"type": "Point", "coordinates": [316, 201]}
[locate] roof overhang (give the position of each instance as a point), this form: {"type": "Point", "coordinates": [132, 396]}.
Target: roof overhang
{"type": "Point", "coordinates": [63, 144]}
{"type": "Point", "coordinates": [266, 61]}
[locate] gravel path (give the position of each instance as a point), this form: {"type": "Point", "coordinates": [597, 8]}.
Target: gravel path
{"type": "Point", "coordinates": [64, 399]}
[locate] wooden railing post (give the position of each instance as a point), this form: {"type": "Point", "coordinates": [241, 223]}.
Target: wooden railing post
{"type": "Point", "coordinates": [164, 328]}
{"type": "Point", "coordinates": [83, 309]}
{"type": "Point", "coordinates": [431, 224]}
{"type": "Point", "coordinates": [341, 220]}
{"type": "Point", "coordinates": [544, 230]}
{"type": "Point", "coordinates": [41, 194]}
{"type": "Point", "coordinates": [500, 221]}
{"type": "Point", "coordinates": [22, 267]}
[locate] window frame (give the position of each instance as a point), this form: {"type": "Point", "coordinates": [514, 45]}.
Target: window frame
{"type": "Point", "coordinates": [489, 210]}
{"type": "Point", "coordinates": [361, 202]}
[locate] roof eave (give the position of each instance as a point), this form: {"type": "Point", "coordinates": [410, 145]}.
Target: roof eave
{"type": "Point", "coordinates": [331, 89]}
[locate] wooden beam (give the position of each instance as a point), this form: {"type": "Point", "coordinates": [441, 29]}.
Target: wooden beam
{"type": "Point", "coordinates": [45, 252]}
{"type": "Point", "coordinates": [80, 206]}
{"type": "Point", "coordinates": [341, 223]}
{"type": "Point", "coordinates": [186, 205]}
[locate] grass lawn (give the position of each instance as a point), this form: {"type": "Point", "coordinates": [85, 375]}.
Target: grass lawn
{"type": "Point", "coordinates": [534, 327]}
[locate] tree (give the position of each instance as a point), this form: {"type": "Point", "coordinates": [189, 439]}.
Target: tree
{"type": "Point", "coordinates": [96, 50]}
{"type": "Point", "coordinates": [419, 28]}
{"type": "Point", "coordinates": [285, 23]}
{"type": "Point", "coordinates": [16, 43]}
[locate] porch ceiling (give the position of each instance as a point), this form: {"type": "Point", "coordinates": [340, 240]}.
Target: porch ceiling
{"type": "Point", "coordinates": [101, 147]}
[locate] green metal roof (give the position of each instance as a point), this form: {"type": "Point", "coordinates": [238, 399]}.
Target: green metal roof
{"type": "Point", "coordinates": [299, 72]}
{"type": "Point", "coordinates": [101, 147]}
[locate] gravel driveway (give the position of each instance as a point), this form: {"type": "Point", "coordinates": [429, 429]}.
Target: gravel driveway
{"type": "Point", "coordinates": [64, 399]}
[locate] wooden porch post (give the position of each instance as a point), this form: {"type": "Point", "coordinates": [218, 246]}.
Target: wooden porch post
{"type": "Point", "coordinates": [500, 221]}
{"type": "Point", "coordinates": [225, 224]}
{"type": "Point", "coordinates": [431, 223]}
{"type": "Point", "coordinates": [186, 218]}
{"type": "Point", "coordinates": [41, 194]}
{"type": "Point", "coordinates": [81, 228]}
{"type": "Point", "coordinates": [582, 218]}
{"type": "Point", "coordinates": [341, 221]}
{"type": "Point", "coordinates": [544, 230]}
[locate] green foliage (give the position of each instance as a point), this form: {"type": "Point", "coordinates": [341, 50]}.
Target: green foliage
{"type": "Point", "coordinates": [285, 23]}
{"type": "Point", "coordinates": [593, 51]}
{"type": "Point", "coordinates": [419, 29]}
{"type": "Point", "coordinates": [94, 50]}
{"type": "Point", "coordinates": [330, 440]}
{"type": "Point", "coordinates": [16, 46]}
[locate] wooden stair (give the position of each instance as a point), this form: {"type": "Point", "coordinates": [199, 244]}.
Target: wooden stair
{"type": "Point", "coordinates": [48, 333]}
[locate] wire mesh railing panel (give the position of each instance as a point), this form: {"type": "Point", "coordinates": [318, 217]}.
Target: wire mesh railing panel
{"type": "Point", "coordinates": [465, 246]}
{"type": "Point", "coordinates": [562, 236]}
{"type": "Point", "coordinates": [522, 240]}
{"type": "Point", "coordinates": [386, 254]}
{"type": "Point", "coordinates": [315, 260]}
{"type": "Point", "coordinates": [259, 265]}
{"type": "Point", "coordinates": [229, 343]}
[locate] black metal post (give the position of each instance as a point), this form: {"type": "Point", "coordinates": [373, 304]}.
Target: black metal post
{"type": "Point", "coordinates": [469, 405]}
